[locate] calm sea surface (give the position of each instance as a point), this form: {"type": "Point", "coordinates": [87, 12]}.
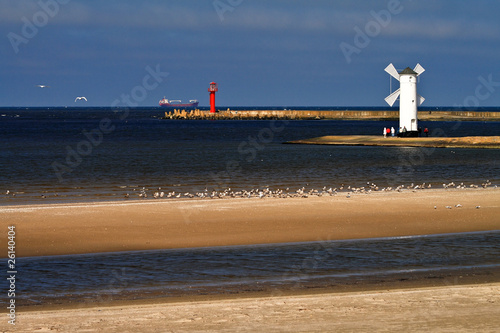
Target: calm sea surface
{"type": "Point", "coordinates": [61, 155]}
{"type": "Point", "coordinates": [101, 154]}
{"type": "Point", "coordinates": [271, 268]}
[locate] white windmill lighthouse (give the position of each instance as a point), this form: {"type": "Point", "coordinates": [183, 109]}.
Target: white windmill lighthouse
{"type": "Point", "coordinates": [409, 100]}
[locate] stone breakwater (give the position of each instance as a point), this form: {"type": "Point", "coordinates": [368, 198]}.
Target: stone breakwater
{"type": "Point", "coordinates": [329, 114]}
{"type": "Point", "coordinates": [432, 142]}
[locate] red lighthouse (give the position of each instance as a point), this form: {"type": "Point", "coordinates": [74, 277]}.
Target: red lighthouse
{"type": "Point", "coordinates": [213, 88]}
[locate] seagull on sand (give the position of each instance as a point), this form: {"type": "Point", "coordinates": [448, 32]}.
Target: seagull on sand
{"type": "Point", "coordinates": [42, 86]}
{"type": "Point", "coordinates": [81, 97]}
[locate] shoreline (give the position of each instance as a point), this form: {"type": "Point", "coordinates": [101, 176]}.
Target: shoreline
{"type": "Point", "coordinates": [460, 300]}
{"type": "Point", "coordinates": [476, 142]}
{"type": "Point", "coordinates": [348, 284]}
{"type": "Point", "coordinates": [58, 229]}
{"type": "Point", "coordinates": [439, 308]}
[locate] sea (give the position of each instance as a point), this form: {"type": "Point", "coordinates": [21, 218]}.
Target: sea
{"type": "Point", "coordinates": [58, 155]}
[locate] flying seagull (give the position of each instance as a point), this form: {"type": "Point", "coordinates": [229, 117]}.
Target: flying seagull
{"type": "Point", "coordinates": [79, 98]}
{"type": "Point", "coordinates": [42, 86]}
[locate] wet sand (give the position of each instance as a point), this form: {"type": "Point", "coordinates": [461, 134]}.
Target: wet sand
{"type": "Point", "coordinates": [161, 224]}
{"type": "Point", "coordinates": [492, 142]}
{"type": "Point", "coordinates": [466, 308]}
{"type": "Point", "coordinates": [441, 304]}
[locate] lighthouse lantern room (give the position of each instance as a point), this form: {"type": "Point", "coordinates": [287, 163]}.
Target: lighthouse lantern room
{"type": "Point", "coordinates": [212, 89]}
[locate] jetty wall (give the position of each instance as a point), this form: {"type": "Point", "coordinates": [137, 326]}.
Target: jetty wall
{"type": "Point", "coordinates": [329, 114]}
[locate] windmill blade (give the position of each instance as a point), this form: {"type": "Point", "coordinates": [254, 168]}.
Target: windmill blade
{"type": "Point", "coordinates": [392, 71]}
{"type": "Point", "coordinates": [392, 98]}
{"type": "Point", "coordinates": [419, 69]}
{"type": "Point", "coordinates": [420, 100]}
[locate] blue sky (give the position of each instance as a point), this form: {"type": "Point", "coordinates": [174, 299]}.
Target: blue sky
{"type": "Point", "coordinates": [261, 53]}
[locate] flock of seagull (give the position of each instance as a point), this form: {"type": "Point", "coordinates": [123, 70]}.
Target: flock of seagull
{"type": "Point", "coordinates": [144, 193]}
{"type": "Point", "coordinates": [302, 192]}
{"type": "Point", "coordinates": [79, 98]}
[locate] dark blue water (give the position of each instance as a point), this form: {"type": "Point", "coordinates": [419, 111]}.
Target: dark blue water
{"type": "Point", "coordinates": [60, 154]}
{"type": "Point", "coordinates": [53, 155]}
{"type": "Point", "coordinates": [168, 273]}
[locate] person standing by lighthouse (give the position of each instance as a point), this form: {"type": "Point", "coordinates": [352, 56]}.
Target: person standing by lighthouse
{"type": "Point", "coordinates": [212, 89]}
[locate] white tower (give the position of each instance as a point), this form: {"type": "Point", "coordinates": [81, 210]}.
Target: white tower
{"type": "Point", "coordinates": [409, 99]}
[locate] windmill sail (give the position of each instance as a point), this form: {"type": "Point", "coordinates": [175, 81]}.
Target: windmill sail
{"type": "Point", "coordinates": [420, 100]}
{"type": "Point", "coordinates": [392, 71]}
{"type": "Point", "coordinates": [419, 69]}
{"type": "Point", "coordinates": [392, 97]}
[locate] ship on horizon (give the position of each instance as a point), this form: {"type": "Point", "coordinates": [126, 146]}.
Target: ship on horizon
{"type": "Point", "coordinates": [193, 103]}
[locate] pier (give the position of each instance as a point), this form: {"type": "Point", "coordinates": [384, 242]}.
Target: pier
{"type": "Point", "coordinates": [329, 115]}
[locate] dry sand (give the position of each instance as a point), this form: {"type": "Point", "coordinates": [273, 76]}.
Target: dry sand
{"type": "Point", "coordinates": [99, 227]}
{"type": "Point", "coordinates": [492, 142]}
{"type": "Point", "coordinates": [160, 224]}
{"type": "Point", "coordinates": [472, 308]}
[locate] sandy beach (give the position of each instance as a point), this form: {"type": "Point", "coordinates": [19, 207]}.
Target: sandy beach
{"type": "Point", "coordinates": [484, 142]}
{"type": "Point", "coordinates": [160, 224]}
{"type": "Point", "coordinates": [468, 308]}
{"type": "Point", "coordinates": [448, 305]}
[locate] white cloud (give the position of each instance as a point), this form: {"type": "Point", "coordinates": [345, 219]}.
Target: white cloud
{"type": "Point", "coordinates": [443, 29]}
{"type": "Point", "coordinates": [12, 12]}
{"type": "Point", "coordinates": [337, 18]}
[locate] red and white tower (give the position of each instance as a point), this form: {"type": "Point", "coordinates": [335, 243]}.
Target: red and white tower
{"type": "Point", "coordinates": [213, 88]}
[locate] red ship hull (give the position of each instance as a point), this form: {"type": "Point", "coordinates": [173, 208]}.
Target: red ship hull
{"type": "Point", "coordinates": [178, 104]}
